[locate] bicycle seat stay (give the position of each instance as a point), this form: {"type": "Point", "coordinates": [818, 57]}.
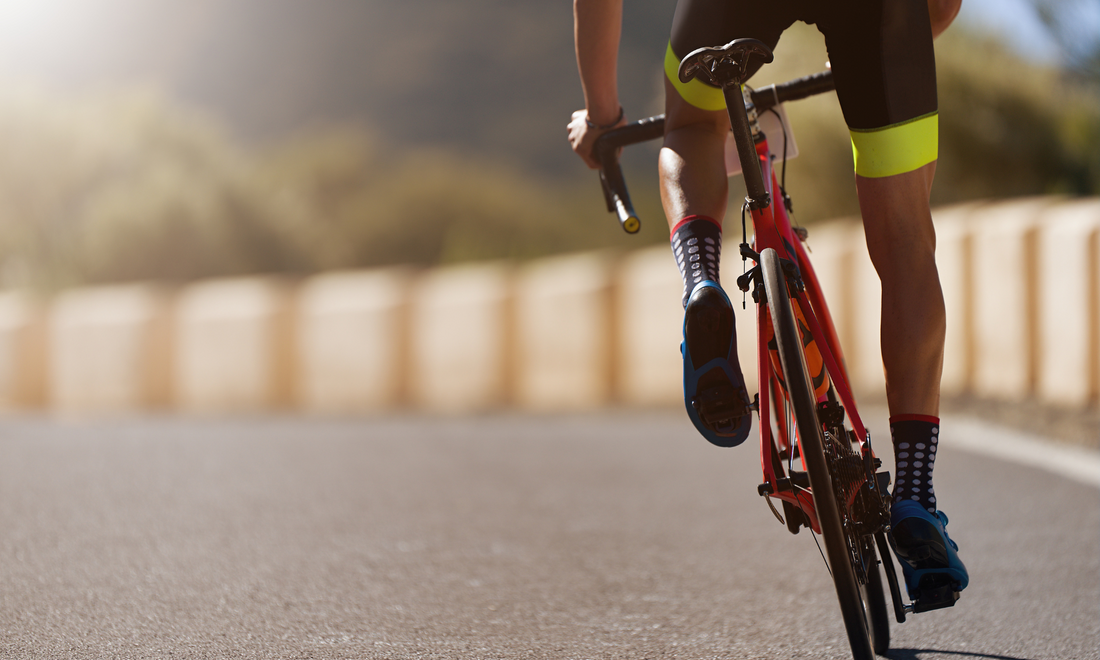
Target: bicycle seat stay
{"type": "Point", "coordinates": [725, 65]}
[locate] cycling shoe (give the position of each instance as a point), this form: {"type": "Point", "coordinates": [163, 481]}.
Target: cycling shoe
{"type": "Point", "coordinates": [714, 391]}
{"type": "Point", "coordinates": [934, 574]}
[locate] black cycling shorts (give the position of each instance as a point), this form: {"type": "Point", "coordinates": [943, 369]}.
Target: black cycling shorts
{"type": "Point", "coordinates": [881, 56]}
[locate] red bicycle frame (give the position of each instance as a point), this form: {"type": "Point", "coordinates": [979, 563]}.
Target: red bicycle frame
{"type": "Point", "coordinates": [772, 228]}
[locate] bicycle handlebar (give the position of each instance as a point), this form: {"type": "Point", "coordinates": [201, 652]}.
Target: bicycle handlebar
{"type": "Point", "coordinates": [611, 173]}
{"type": "Point", "coordinates": [608, 145]}
{"type": "Point", "coordinates": [773, 95]}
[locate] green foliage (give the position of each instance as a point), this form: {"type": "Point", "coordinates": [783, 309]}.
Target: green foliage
{"type": "Point", "coordinates": [125, 187]}
{"type": "Point", "coordinates": [1008, 128]}
{"type": "Point", "coordinates": [128, 186]}
{"type": "Point", "coordinates": [375, 205]}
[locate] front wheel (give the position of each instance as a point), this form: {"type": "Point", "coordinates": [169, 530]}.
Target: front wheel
{"type": "Point", "coordinates": [800, 395]}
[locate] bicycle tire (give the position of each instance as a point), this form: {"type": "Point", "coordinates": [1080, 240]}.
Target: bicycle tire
{"type": "Point", "coordinates": [874, 598]}
{"type": "Point", "coordinates": [804, 403]}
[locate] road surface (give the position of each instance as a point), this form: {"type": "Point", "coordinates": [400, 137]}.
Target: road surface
{"type": "Point", "coordinates": [611, 535]}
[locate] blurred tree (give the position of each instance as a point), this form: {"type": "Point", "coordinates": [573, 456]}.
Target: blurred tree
{"type": "Point", "coordinates": [374, 205]}
{"type": "Point", "coordinates": [126, 186]}
{"type": "Point", "coordinates": [1075, 26]}
{"type": "Point", "coordinates": [1007, 127]}
{"type": "Point", "coordinates": [1011, 128]}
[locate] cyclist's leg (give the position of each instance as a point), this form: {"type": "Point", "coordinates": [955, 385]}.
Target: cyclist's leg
{"type": "Point", "coordinates": [692, 160]}
{"type": "Point", "coordinates": [694, 188]}
{"type": "Point", "coordinates": [884, 67]}
{"type": "Point", "coordinates": [902, 243]}
{"type": "Point", "coordinates": [693, 191]}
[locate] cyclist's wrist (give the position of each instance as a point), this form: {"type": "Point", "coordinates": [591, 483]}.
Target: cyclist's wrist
{"type": "Point", "coordinates": [593, 120]}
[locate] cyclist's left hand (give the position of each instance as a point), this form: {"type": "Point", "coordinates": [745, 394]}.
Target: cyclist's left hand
{"type": "Point", "coordinates": [582, 137]}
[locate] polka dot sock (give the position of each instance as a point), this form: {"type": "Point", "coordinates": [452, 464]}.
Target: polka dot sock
{"type": "Point", "coordinates": [915, 438]}
{"type": "Point", "coordinates": [697, 246]}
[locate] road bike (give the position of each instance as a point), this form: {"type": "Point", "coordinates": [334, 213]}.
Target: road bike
{"type": "Point", "coordinates": [817, 461]}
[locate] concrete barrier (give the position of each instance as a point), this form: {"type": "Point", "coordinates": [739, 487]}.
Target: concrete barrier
{"type": "Point", "coordinates": [1068, 305]}
{"type": "Point", "coordinates": [110, 349]}
{"type": "Point", "coordinates": [833, 247]}
{"type": "Point", "coordinates": [461, 338]}
{"type": "Point", "coordinates": [234, 346]}
{"type": "Point", "coordinates": [23, 352]}
{"type": "Point", "coordinates": [1005, 291]}
{"type": "Point", "coordinates": [1021, 284]}
{"type": "Point", "coordinates": [352, 349]}
{"type": "Point", "coordinates": [955, 262]}
{"type": "Point", "coordinates": [565, 332]}
{"type": "Point", "coordinates": [865, 352]}
{"type": "Point", "coordinates": [652, 317]}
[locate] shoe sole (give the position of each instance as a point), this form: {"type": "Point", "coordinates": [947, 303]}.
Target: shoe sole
{"type": "Point", "coordinates": [716, 399]}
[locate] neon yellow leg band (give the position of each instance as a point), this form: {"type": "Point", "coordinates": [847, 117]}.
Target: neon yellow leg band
{"type": "Point", "coordinates": [896, 149]}
{"type": "Point", "coordinates": [696, 92]}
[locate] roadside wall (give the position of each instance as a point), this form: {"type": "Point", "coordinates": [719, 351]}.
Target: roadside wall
{"type": "Point", "coordinates": [1021, 282]}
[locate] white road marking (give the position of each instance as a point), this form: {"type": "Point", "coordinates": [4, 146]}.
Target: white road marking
{"type": "Point", "coordinates": [980, 436]}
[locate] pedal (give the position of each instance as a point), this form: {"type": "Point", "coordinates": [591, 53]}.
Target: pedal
{"type": "Point", "coordinates": [935, 592]}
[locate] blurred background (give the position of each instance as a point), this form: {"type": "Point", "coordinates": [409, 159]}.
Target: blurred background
{"type": "Point", "coordinates": [393, 179]}
{"type": "Point", "coordinates": [170, 141]}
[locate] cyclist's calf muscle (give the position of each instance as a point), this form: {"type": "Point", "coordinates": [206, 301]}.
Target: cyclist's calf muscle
{"type": "Point", "coordinates": [692, 160]}
{"type": "Point", "coordinates": [901, 241]}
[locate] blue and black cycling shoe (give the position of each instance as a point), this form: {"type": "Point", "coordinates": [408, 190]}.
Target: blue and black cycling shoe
{"type": "Point", "coordinates": [714, 388]}
{"type": "Point", "coordinates": [934, 574]}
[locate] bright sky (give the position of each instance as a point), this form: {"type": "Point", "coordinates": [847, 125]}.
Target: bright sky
{"type": "Point", "coordinates": [75, 38]}
{"type": "Point", "coordinates": [1017, 20]}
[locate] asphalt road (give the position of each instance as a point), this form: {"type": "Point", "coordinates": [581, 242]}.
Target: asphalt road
{"type": "Point", "coordinates": [619, 535]}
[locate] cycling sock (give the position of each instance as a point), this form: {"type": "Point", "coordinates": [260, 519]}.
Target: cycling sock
{"type": "Point", "coordinates": [697, 246]}
{"type": "Point", "coordinates": [915, 439]}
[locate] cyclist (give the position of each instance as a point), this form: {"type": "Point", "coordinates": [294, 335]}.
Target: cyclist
{"type": "Point", "coordinates": [884, 68]}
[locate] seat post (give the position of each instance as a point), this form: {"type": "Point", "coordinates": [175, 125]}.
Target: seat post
{"type": "Point", "coordinates": [737, 108]}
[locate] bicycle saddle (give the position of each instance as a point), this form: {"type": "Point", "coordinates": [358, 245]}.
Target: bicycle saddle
{"type": "Point", "coordinates": [723, 66]}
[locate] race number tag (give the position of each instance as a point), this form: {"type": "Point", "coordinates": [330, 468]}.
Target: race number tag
{"type": "Point", "coordinates": [776, 131]}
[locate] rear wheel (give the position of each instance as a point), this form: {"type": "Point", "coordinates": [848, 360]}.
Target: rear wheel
{"type": "Point", "coordinates": [804, 403]}
{"type": "Point", "coordinates": [874, 602]}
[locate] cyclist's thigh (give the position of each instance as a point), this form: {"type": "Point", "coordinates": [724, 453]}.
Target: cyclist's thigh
{"type": "Point", "coordinates": [710, 23]}
{"type": "Point", "coordinates": [885, 73]}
